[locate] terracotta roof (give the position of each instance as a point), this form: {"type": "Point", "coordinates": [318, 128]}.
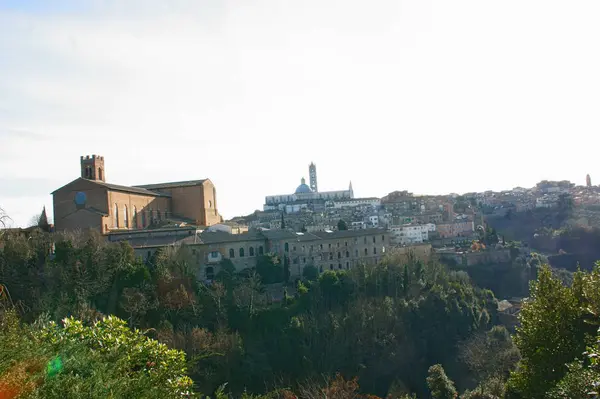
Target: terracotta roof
{"type": "Point", "coordinates": [186, 183]}
{"type": "Point", "coordinates": [116, 187]}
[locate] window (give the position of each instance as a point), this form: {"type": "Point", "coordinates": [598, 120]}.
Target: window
{"type": "Point", "coordinates": [150, 216]}
{"type": "Point", "coordinates": [116, 215]}
{"type": "Point", "coordinates": [346, 243]}
{"type": "Point", "coordinates": [134, 220]}
{"type": "Point", "coordinates": [374, 251]}
{"type": "Point", "coordinates": [287, 247]}
{"type": "Point", "coordinates": [251, 251]}
{"type": "Point", "coordinates": [321, 269]}
{"type": "Point", "coordinates": [356, 253]}
{"type": "Point", "coordinates": [340, 266]}
{"type": "Point", "coordinates": [209, 203]}
{"type": "Point", "coordinates": [331, 266]}
{"type": "Point", "coordinates": [294, 248]}
{"type": "Point", "coordinates": [339, 255]}
{"type": "Point", "coordinates": [210, 273]}
{"type": "Point", "coordinates": [241, 252]}
{"type": "Point", "coordinates": [158, 215]}
{"type": "Point", "coordinates": [347, 265]}
{"type": "Point", "coordinates": [330, 255]}
{"type": "Point", "coordinates": [231, 253]}
{"type": "Point", "coordinates": [100, 174]}
{"type": "Point", "coordinates": [320, 246]}
{"type": "Point", "coordinates": [366, 252]}
{"type": "Point", "coordinates": [373, 239]}
{"type": "Point", "coordinates": [125, 217]}
{"type": "Point", "coordinates": [261, 250]}
{"type": "Point", "coordinates": [303, 260]}
{"type": "Point", "coordinates": [329, 246]}
{"type": "Point", "coordinates": [143, 218]}
{"type": "Point", "coordinates": [338, 244]}
{"type": "Point", "coordinates": [347, 254]}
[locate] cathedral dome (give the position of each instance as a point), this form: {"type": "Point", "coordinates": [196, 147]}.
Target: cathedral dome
{"type": "Point", "coordinates": [303, 188]}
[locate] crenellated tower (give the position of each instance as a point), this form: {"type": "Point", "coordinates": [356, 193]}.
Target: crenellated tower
{"type": "Point", "coordinates": [92, 168]}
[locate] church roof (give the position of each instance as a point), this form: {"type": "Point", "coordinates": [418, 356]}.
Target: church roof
{"type": "Point", "coordinates": [158, 186]}
{"type": "Point", "coordinates": [116, 187]}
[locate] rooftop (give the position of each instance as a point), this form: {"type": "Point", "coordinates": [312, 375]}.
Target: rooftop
{"type": "Point", "coordinates": [158, 186]}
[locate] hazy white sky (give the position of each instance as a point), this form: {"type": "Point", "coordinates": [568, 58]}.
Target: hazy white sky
{"type": "Point", "coordinates": [428, 96]}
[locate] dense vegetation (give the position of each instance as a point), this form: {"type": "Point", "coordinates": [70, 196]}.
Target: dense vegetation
{"type": "Point", "coordinates": [93, 315]}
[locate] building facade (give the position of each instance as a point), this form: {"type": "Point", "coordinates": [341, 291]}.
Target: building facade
{"type": "Point", "coordinates": [410, 234]}
{"type": "Point", "coordinates": [90, 202]}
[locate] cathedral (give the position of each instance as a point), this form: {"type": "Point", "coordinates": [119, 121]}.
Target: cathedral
{"type": "Point", "coordinates": [305, 195]}
{"type": "Point", "coordinates": [90, 202]}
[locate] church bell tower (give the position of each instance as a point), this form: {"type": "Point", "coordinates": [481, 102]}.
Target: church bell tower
{"type": "Point", "coordinates": [312, 174]}
{"type": "Point", "coordinates": [92, 168]}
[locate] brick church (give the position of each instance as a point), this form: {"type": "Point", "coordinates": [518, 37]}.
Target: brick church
{"type": "Point", "coordinates": [90, 202]}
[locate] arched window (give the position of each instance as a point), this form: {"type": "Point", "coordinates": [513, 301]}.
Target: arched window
{"type": "Point", "coordinates": [241, 252]}
{"type": "Point", "coordinates": [143, 218]}
{"type": "Point", "coordinates": [261, 251]}
{"type": "Point", "coordinates": [134, 218]}
{"type": "Point", "coordinates": [125, 217]}
{"type": "Point", "coordinates": [251, 251]}
{"type": "Point", "coordinates": [210, 273]}
{"type": "Point", "coordinates": [116, 215]}
{"type": "Point", "coordinates": [231, 253]}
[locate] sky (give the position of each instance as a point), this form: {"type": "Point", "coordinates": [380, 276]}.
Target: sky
{"type": "Point", "coordinates": [427, 96]}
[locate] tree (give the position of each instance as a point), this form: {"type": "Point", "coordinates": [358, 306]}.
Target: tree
{"type": "Point", "coordinates": [342, 225]}
{"type": "Point", "coordinates": [270, 269]}
{"type": "Point", "coordinates": [4, 218]}
{"type": "Point", "coordinates": [310, 272]}
{"type": "Point", "coordinates": [552, 333]}
{"type": "Point", "coordinates": [106, 359]}
{"type": "Point", "coordinates": [440, 386]}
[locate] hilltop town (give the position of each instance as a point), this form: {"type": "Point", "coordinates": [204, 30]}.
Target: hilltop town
{"type": "Point", "coordinates": [328, 230]}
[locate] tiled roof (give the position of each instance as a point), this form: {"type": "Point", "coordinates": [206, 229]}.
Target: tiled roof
{"type": "Point", "coordinates": [186, 183]}
{"type": "Point", "coordinates": [116, 187]}
{"type": "Point", "coordinates": [136, 190]}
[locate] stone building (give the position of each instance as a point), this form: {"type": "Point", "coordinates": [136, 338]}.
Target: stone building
{"type": "Point", "coordinates": [327, 250]}
{"type": "Point", "coordinates": [90, 202]}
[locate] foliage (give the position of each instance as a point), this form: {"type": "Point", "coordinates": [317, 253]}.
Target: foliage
{"type": "Point", "coordinates": [106, 359]}
{"type": "Point", "coordinates": [440, 386]}
{"type": "Point", "coordinates": [310, 272]}
{"type": "Point", "coordinates": [384, 324]}
{"type": "Point", "coordinates": [553, 332]}
{"type": "Point", "coordinates": [342, 225]}
{"type": "Point", "coordinates": [270, 269]}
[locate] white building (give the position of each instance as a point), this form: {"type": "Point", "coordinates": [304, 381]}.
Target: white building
{"type": "Point", "coordinates": [374, 221]}
{"type": "Point", "coordinates": [354, 202]}
{"type": "Point", "coordinates": [305, 195]}
{"type": "Point", "coordinates": [546, 201]}
{"type": "Point", "coordinates": [358, 225]}
{"type": "Point", "coordinates": [410, 233]}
